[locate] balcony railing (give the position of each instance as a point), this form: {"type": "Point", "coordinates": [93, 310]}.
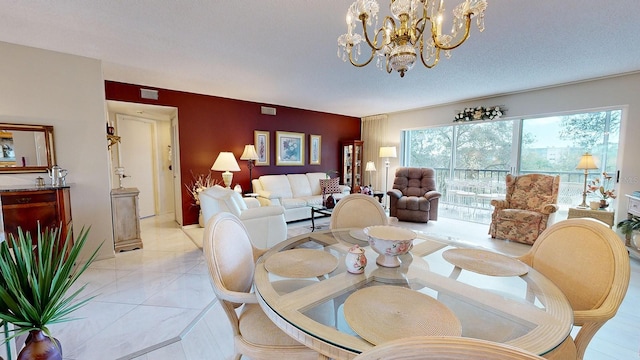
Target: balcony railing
{"type": "Point", "coordinates": [469, 193]}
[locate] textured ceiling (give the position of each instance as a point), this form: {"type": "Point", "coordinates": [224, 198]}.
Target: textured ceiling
{"type": "Point", "coordinates": [283, 52]}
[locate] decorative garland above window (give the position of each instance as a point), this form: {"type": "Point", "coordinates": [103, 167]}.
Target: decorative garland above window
{"type": "Point", "coordinates": [480, 113]}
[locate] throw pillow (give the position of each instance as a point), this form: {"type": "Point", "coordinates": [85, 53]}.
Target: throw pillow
{"type": "Point", "coordinates": [330, 186]}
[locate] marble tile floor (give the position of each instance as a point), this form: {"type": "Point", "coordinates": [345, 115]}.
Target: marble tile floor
{"type": "Point", "coordinates": [157, 303]}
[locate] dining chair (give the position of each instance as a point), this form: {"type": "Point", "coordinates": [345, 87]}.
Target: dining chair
{"type": "Point", "coordinates": [589, 263]}
{"type": "Point", "coordinates": [445, 348]}
{"type": "Point", "coordinates": [358, 211]}
{"type": "Point", "coordinates": [231, 260]}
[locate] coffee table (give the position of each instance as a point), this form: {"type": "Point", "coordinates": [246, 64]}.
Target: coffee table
{"type": "Point", "coordinates": [319, 209]}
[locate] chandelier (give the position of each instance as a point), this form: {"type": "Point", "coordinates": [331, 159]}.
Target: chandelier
{"type": "Point", "coordinates": [415, 28]}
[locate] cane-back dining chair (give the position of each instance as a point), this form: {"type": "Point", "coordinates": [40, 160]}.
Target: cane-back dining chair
{"type": "Point", "coordinates": [358, 211]}
{"type": "Point", "coordinates": [589, 263]}
{"type": "Point", "coordinates": [444, 348]}
{"type": "Point", "coordinates": [231, 259]}
{"type": "Point", "coordinates": [528, 208]}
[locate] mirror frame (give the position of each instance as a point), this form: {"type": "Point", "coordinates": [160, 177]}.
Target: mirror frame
{"type": "Point", "coordinates": [48, 135]}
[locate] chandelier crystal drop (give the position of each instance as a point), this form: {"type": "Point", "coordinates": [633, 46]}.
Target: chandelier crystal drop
{"type": "Point", "coordinates": [413, 30]}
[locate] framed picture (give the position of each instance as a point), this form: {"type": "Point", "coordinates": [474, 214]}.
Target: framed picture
{"type": "Point", "coordinates": [261, 141]}
{"type": "Point", "coordinates": [315, 149]}
{"type": "Point", "coordinates": [290, 148]}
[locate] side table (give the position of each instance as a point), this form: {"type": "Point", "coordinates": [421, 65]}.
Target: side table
{"type": "Point", "coordinates": [605, 216]}
{"type": "Point", "coordinates": [379, 195]}
{"type": "Point", "coordinates": [126, 219]}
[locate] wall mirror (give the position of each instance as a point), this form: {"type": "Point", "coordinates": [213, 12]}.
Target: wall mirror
{"type": "Point", "coordinates": [26, 148]}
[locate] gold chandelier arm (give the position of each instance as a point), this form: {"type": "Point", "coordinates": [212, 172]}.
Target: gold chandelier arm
{"type": "Point", "coordinates": [363, 20]}
{"type": "Point", "coordinates": [436, 57]}
{"type": "Point", "coordinates": [354, 63]}
{"type": "Point", "coordinates": [467, 27]}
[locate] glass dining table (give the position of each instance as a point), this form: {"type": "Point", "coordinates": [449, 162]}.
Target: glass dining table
{"type": "Point", "coordinates": [443, 286]}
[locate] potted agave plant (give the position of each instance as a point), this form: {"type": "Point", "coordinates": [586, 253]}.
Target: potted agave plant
{"type": "Point", "coordinates": [34, 287]}
{"type": "Point", "coordinates": [629, 228]}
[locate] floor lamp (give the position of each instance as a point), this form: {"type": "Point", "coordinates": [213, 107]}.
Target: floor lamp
{"type": "Point", "coordinates": [250, 155]}
{"type": "Point", "coordinates": [587, 162]}
{"type": "Point", "coordinates": [387, 152]}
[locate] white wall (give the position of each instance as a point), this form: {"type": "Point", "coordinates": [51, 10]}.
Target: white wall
{"type": "Point", "coordinates": [621, 91]}
{"type": "Point", "coordinates": [66, 91]}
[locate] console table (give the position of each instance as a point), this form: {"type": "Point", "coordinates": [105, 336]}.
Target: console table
{"type": "Point", "coordinates": [25, 207]}
{"type": "Point", "coordinates": [605, 216]}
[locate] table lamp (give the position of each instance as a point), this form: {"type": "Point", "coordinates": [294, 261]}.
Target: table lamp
{"type": "Point", "coordinates": [587, 162]}
{"type": "Point", "coordinates": [369, 168]}
{"type": "Point", "coordinates": [226, 162]}
{"type": "Point", "coordinates": [387, 152]}
{"type": "Point", "coordinates": [250, 155]}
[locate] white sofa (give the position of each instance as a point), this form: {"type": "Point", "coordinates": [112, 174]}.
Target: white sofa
{"type": "Point", "coordinates": [265, 224]}
{"type": "Point", "coordinates": [295, 192]}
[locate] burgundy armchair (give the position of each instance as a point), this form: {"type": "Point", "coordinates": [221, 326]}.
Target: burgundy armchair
{"type": "Point", "coordinates": [413, 196]}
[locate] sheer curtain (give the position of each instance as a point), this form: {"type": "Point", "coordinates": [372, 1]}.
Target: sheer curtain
{"type": "Point", "coordinates": [373, 131]}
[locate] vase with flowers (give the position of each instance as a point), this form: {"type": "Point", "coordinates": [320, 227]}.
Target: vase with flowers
{"type": "Point", "coordinates": [602, 189]}
{"type": "Point", "coordinates": [199, 183]}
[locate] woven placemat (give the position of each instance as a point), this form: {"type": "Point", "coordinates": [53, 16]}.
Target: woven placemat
{"type": "Point", "coordinates": [301, 263]}
{"type": "Point", "coordinates": [485, 262]}
{"type": "Point", "coordinates": [384, 313]}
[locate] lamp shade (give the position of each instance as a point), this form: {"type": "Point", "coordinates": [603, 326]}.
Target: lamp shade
{"type": "Point", "coordinates": [388, 152]}
{"type": "Point", "coordinates": [587, 162]}
{"type": "Point", "coordinates": [249, 153]}
{"type": "Point", "coordinates": [225, 162]}
{"type": "Point", "coordinates": [370, 166]}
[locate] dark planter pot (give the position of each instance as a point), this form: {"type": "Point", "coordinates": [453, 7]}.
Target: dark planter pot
{"type": "Point", "coordinates": [40, 347]}
{"type": "Point", "coordinates": [603, 204]}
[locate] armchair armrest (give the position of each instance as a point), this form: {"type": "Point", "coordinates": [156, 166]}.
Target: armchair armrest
{"type": "Point", "coordinates": [237, 297]}
{"type": "Point", "coordinates": [549, 209]}
{"type": "Point", "coordinates": [395, 193]}
{"type": "Point", "coordinates": [430, 195]}
{"type": "Point", "coordinates": [265, 194]}
{"type": "Point", "coordinates": [500, 204]}
{"type": "Point", "coordinates": [251, 202]}
{"type": "Point", "coordinates": [261, 212]}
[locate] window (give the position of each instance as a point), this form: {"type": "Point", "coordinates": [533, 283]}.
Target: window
{"type": "Point", "coordinates": [473, 158]}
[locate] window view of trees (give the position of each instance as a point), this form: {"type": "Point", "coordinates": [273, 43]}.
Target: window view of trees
{"type": "Point", "coordinates": [558, 142]}
{"type": "Point", "coordinates": [484, 151]}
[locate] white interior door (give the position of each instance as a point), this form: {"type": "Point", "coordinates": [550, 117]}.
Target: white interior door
{"type": "Point", "coordinates": [137, 147]}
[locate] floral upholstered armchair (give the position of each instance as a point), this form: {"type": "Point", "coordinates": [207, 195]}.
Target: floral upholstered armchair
{"type": "Point", "coordinates": [529, 207]}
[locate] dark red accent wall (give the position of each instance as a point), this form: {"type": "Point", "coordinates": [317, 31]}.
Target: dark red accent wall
{"type": "Point", "coordinates": [211, 124]}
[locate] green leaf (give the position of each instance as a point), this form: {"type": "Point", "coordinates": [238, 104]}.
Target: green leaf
{"type": "Point", "coordinates": [34, 288]}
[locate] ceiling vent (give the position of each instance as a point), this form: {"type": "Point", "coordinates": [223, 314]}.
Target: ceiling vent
{"type": "Point", "coordinates": [265, 110]}
{"type": "Point", "coordinates": [149, 94]}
